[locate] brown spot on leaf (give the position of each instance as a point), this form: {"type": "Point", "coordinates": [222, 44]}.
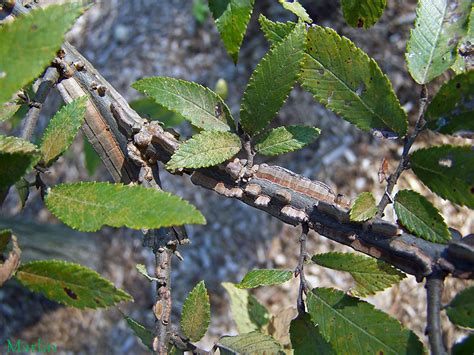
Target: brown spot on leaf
{"type": "Point", "coordinates": [70, 293]}
{"type": "Point", "coordinates": [360, 23]}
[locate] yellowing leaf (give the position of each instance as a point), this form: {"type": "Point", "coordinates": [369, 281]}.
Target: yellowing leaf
{"type": "Point", "coordinates": [364, 208]}
{"type": "Point", "coordinates": [196, 313]}
{"type": "Point", "coordinates": [265, 277]}
{"type": "Point", "coordinates": [250, 343]}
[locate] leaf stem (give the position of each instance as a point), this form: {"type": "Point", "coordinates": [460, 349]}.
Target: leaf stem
{"type": "Point", "coordinates": [185, 345]}
{"type": "Point", "coordinates": [300, 269]}
{"type": "Point", "coordinates": [434, 289]}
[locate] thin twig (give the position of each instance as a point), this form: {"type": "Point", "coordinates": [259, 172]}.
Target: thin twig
{"type": "Point", "coordinates": [303, 289]}
{"type": "Point", "coordinates": [184, 344]}
{"type": "Point", "coordinates": [434, 289]}
{"type": "Point", "coordinates": [403, 164]}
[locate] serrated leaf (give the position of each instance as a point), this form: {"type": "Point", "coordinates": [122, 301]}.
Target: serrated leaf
{"type": "Point", "coordinates": [62, 129]}
{"type": "Point", "coordinates": [5, 237]}
{"type": "Point", "coordinates": [250, 343]}
{"type": "Point", "coordinates": [362, 13]}
{"type": "Point", "coordinates": [420, 217]}
{"type": "Point", "coordinates": [370, 275]}
{"type": "Point", "coordinates": [205, 149]}
{"type": "Point", "coordinates": [142, 270]}
{"type": "Point", "coordinates": [286, 139]}
{"type": "Point", "coordinates": [7, 110]}
{"type": "Point", "coordinates": [29, 43]}
{"type": "Point", "coordinates": [145, 335]}
{"type": "Point", "coordinates": [452, 109]}
{"type": "Point", "coordinates": [275, 32]}
{"type": "Point", "coordinates": [348, 82]}
{"type": "Point", "coordinates": [295, 7]}
{"type": "Point", "coordinates": [461, 309]}
{"type": "Point", "coordinates": [17, 157]}
{"type": "Point", "coordinates": [197, 104]}
{"type": "Point", "coordinates": [88, 206]}
{"type": "Point", "coordinates": [22, 187]}
{"type": "Point", "coordinates": [71, 284]}
{"type": "Point", "coordinates": [196, 313]}
{"type": "Point", "coordinates": [265, 277]}
{"type": "Point", "coordinates": [447, 171]}
{"type": "Point", "coordinates": [465, 346]}
{"type": "Point", "coordinates": [272, 81]}
{"type": "Point", "coordinates": [91, 158]}
{"type": "Point", "coordinates": [306, 338]}
{"type": "Point", "coordinates": [465, 62]}
{"type": "Point", "coordinates": [148, 108]}
{"type": "Point", "coordinates": [247, 312]}
{"type": "Point", "coordinates": [432, 45]}
{"type": "Point", "coordinates": [364, 208]}
{"type": "Point", "coordinates": [353, 326]}
{"type": "Point", "coordinates": [232, 18]}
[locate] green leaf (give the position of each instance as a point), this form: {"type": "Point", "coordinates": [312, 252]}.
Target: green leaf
{"type": "Point", "coordinates": [463, 61]}
{"type": "Point", "coordinates": [88, 206]}
{"type": "Point", "coordinates": [29, 43]}
{"type": "Point", "coordinates": [432, 46]}
{"type": "Point", "coordinates": [356, 327]}
{"type": "Point", "coordinates": [265, 277]}
{"type": "Point", "coordinates": [296, 8]}
{"type": "Point", "coordinates": [370, 275]}
{"type": "Point", "coordinates": [145, 335]}
{"type": "Point", "coordinates": [142, 270]}
{"type": "Point", "coordinates": [420, 217]}
{"type": "Point", "coordinates": [452, 109]}
{"type": "Point", "coordinates": [250, 343]}
{"type": "Point", "coordinates": [364, 208]}
{"type": "Point", "coordinates": [275, 32]}
{"type": "Point", "coordinates": [149, 109]}
{"type": "Point", "coordinates": [347, 81]}
{"type": "Point", "coordinates": [247, 312]}
{"type": "Point", "coordinates": [196, 313]}
{"type": "Point", "coordinates": [71, 284]}
{"type": "Point", "coordinates": [205, 149]}
{"type": "Point", "coordinates": [7, 110]}
{"type": "Point", "coordinates": [62, 129]}
{"type": "Point", "coordinates": [91, 158]}
{"type": "Point", "coordinates": [5, 237]}
{"type": "Point", "coordinates": [362, 13]}
{"type": "Point", "coordinates": [17, 157]}
{"type": "Point", "coordinates": [272, 81]}
{"type": "Point", "coordinates": [197, 104]}
{"type": "Point", "coordinates": [232, 18]}
{"type": "Point", "coordinates": [465, 347]}
{"type": "Point", "coordinates": [22, 187]}
{"type": "Point", "coordinates": [306, 338]}
{"type": "Point", "coordinates": [461, 309]}
{"type": "Point", "coordinates": [447, 171]}
{"type": "Point", "coordinates": [286, 139]}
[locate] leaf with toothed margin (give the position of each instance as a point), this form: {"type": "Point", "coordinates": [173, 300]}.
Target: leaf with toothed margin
{"type": "Point", "coordinates": [145, 335]}
{"type": "Point", "coordinates": [272, 81]}
{"type": "Point", "coordinates": [306, 337]}
{"type": "Point", "coordinates": [439, 26]}
{"type": "Point", "coordinates": [249, 343]}
{"type": "Point", "coordinates": [286, 139]}
{"type": "Point", "coordinates": [362, 13]}
{"type": "Point", "coordinates": [275, 32]}
{"type": "Point", "coordinates": [420, 217]}
{"type": "Point", "coordinates": [205, 149]}
{"type": "Point", "coordinates": [348, 82]}
{"type": "Point", "coordinates": [265, 277]}
{"type": "Point", "coordinates": [232, 18]}
{"type": "Point", "coordinates": [7, 110]}
{"type": "Point", "coordinates": [447, 171]}
{"type": "Point", "coordinates": [465, 62]}
{"type": "Point", "coordinates": [200, 106]}
{"type": "Point", "coordinates": [364, 207]}
{"type": "Point", "coordinates": [70, 284]}
{"type": "Point", "coordinates": [196, 313]}
{"type": "Point", "coordinates": [461, 308]}
{"type": "Point", "coordinates": [88, 206]}
{"type": "Point", "coordinates": [295, 7]}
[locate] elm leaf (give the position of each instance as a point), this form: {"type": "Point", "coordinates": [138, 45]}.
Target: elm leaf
{"type": "Point", "coordinates": [7, 110]}
{"type": "Point", "coordinates": [265, 277]}
{"type": "Point", "coordinates": [306, 337]}
{"type": "Point", "coordinates": [249, 343]}
{"type": "Point", "coordinates": [465, 62]}
{"type": "Point", "coordinates": [295, 7]}
{"type": "Point", "coordinates": [286, 139]}
{"type": "Point", "coordinates": [145, 335]}
{"type": "Point", "coordinates": [362, 13]}
{"type": "Point", "coordinates": [275, 32]}
{"type": "Point", "coordinates": [461, 308]}
{"type": "Point", "coordinates": [196, 313]}
{"type": "Point", "coordinates": [364, 208]}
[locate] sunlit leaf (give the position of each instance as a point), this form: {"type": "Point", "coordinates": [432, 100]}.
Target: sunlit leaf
{"type": "Point", "coordinates": [250, 343]}
{"type": "Point", "coordinates": [295, 7]}
{"type": "Point", "coordinates": [286, 139]}
{"type": "Point", "coordinates": [364, 208]}
{"type": "Point", "coordinates": [196, 313]}
{"type": "Point", "coordinates": [265, 277]}
{"type": "Point", "coordinates": [275, 32]}
{"type": "Point", "coordinates": [7, 110]}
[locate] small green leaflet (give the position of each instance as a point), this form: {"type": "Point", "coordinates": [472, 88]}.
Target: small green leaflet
{"type": "Point", "coordinates": [62, 129]}
{"type": "Point", "coordinates": [196, 313]}
{"type": "Point", "coordinates": [22, 187]}
{"type": "Point", "coordinates": [347, 81]}
{"type": "Point", "coordinates": [353, 326]}
{"type": "Point", "coordinates": [7, 110]}
{"type": "Point", "coordinates": [465, 62]}
{"type": "Point", "coordinates": [232, 18]}
{"type": "Point", "coordinates": [91, 158]}
{"type": "Point", "coordinates": [432, 46]}
{"type": "Point", "coordinates": [265, 277]}
{"type": "Point", "coordinates": [145, 335]}
{"type": "Point", "coordinates": [247, 312]}
{"type": "Point", "coordinates": [364, 208]}
{"type": "Point", "coordinates": [447, 171]}
{"type": "Point", "coordinates": [275, 32]}
{"type": "Point", "coordinates": [199, 105]}
{"type": "Point", "coordinates": [286, 139]}
{"type": "Point", "coordinates": [295, 7]}
{"type": "Point", "coordinates": [370, 275]}
{"type": "Point", "coordinates": [5, 237]}
{"type": "Point", "coordinates": [43, 31]}
{"type": "Point", "coordinates": [250, 343]}
{"type": "Point", "coordinates": [452, 109]}
{"type": "Point", "coordinates": [71, 284]}
{"type": "Point", "coordinates": [419, 216]}
{"type": "Point", "coordinates": [306, 338]}
{"type": "Point", "coordinates": [90, 205]}
{"type": "Point", "coordinates": [148, 108]}
{"type": "Point", "coordinates": [17, 157]}
{"type": "Point", "coordinates": [362, 13]}
{"type": "Point", "coordinates": [272, 81]}
{"type": "Point", "coordinates": [461, 309]}
{"type": "Point", "coordinates": [464, 347]}
{"type": "Point", "coordinates": [142, 270]}
{"type": "Point", "coordinates": [205, 149]}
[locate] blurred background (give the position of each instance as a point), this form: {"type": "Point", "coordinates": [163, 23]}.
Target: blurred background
{"type": "Point", "coordinates": [129, 40]}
